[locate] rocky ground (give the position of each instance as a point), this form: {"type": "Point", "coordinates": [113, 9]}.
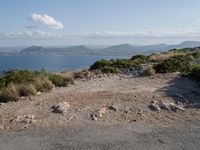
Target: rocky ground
{"type": "Point", "coordinates": [107, 105]}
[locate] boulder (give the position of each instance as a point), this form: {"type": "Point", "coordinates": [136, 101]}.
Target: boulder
{"type": "Point", "coordinates": [61, 107]}
{"type": "Point", "coordinates": [165, 106]}
{"type": "Point", "coordinates": [154, 107]}
{"type": "Point", "coordinates": [99, 114]}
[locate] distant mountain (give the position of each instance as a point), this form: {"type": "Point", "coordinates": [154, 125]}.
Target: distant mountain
{"type": "Point", "coordinates": [66, 50]}
{"type": "Point", "coordinates": [32, 50]}
{"type": "Point", "coordinates": [122, 50]}
{"type": "Point", "coordinates": [188, 44]}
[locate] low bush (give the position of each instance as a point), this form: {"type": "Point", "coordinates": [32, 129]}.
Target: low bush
{"type": "Point", "coordinates": [26, 90]}
{"type": "Point", "coordinates": [10, 93]}
{"type": "Point", "coordinates": [179, 63]}
{"type": "Point", "coordinates": [112, 66]}
{"type": "Point", "coordinates": [81, 74]}
{"type": "Point", "coordinates": [57, 80]}
{"type": "Point", "coordinates": [43, 84]}
{"type": "Point", "coordinates": [14, 84]}
{"type": "Point", "coordinates": [141, 58]}
{"type": "Point", "coordinates": [150, 71]}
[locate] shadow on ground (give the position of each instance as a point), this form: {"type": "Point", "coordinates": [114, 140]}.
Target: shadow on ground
{"type": "Point", "coordinates": [183, 90]}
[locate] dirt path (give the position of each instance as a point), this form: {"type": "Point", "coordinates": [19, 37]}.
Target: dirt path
{"type": "Point", "coordinates": [129, 97]}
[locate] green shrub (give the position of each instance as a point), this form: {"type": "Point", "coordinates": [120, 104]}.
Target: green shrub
{"type": "Point", "coordinates": [112, 66]}
{"type": "Point", "coordinates": [179, 63]}
{"type": "Point", "coordinates": [57, 80]}
{"type": "Point", "coordinates": [21, 76]}
{"type": "Point", "coordinates": [101, 64]}
{"type": "Point", "coordinates": [196, 54]}
{"type": "Point", "coordinates": [141, 57]}
{"type": "Point", "coordinates": [108, 69]}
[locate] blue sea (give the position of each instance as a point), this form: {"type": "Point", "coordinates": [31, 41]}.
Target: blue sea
{"type": "Point", "coordinates": [50, 63]}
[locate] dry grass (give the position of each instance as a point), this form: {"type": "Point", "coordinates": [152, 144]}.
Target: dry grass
{"type": "Point", "coordinates": [81, 74]}
{"type": "Point", "coordinates": [43, 84]}
{"type": "Point", "coordinates": [10, 93]}
{"type": "Point", "coordinates": [67, 74]}
{"type": "Point", "coordinates": [150, 71]}
{"type": "Point", "coordinates": [163, 56]}
{"type": "Point", "coordinates": [27, 90]}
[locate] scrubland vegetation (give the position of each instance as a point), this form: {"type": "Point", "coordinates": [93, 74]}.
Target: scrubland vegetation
{"type": "Point", "coordinates": [15, 84]}
{"type": "Point", "coordinates": [175, 60]}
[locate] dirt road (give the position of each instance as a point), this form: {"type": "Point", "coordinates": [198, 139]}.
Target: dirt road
{"type": "Point", "coordinates": [126, 123]}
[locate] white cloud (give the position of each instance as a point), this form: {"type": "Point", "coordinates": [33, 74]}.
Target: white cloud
{"type": "Point", "coordinates": [47, 20]}
{"type": "Point", "coordinates": [151, 33]}
{"type": "Point", "coordinates": [31, 35]}
{"type": "Point", "coordinates": [107, 36]}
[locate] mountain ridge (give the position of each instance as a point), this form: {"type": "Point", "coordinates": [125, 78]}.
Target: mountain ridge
{"type": "Point", "coordinates": [121, 49]}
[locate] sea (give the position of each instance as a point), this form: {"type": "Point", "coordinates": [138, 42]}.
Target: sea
{"type": "Point", "coordinates": [51, 63]}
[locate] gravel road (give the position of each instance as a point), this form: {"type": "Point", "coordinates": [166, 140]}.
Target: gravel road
{"type": "Point", "coordinates": [133, 136]}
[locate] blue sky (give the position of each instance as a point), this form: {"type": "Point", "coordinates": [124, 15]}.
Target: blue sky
{"type": "Point", "coordinates": [98, 22]}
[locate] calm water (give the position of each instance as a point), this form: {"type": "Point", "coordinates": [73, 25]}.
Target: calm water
{"type": "Point", "coordinates": [50, 62]}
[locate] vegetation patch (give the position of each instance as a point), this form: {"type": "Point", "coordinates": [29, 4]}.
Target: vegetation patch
{"type": "Point", "coordinates": [15, 84]}
{"type": "Point", "coordinates": [113, 66]}
{"type": "Point", "coordinates": [179, 63]}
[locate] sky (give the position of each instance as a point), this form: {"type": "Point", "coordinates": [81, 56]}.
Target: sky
{"type": "Point", "coordinates": [98, 22]}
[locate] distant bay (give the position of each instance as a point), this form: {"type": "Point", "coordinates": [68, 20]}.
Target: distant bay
{"type": "Point", "coordinates": [50, 63]}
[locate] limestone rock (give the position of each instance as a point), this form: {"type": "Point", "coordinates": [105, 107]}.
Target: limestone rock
{"type": "Point", "coordinates": [26, 119]}
{"type": "Point", "coordinates": [61, 107]}
{"type": "Point", "coordinates": [154, 107]}
{"type": "Point", "coordinates": [99, 114]}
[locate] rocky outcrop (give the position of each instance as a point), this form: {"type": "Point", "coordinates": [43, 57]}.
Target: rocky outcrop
{"type": "Point", "coordinates": [155, 106]}
{"type": "Point", "coordinates": [26, 119]}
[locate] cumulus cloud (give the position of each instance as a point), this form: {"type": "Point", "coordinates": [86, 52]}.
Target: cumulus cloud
{"type": "Point", "coordinates": [46, 20]}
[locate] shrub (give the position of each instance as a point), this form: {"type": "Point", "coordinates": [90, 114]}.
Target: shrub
{"type": "Point", "coordinates": [43, 84]}
{"type": "Point", "coordinates": [150, 71]}
{"type": "Point", "coordinates": [57, 80]}
{"type": "Point", "coordinates": [196, 54]}
{"type": "Point", "coordinates": [26, 90]}
{"type": "Point", "coordinates": [69, 80]}
{"type": "Point", "coordinates": [101, 64]}
{"type": "Point", "coordinates": [179, 63]}
{"type": "Point", "coordinates": [112, 66]}
{"type": "Point", "coordinates": [139, 57]}
{"type": "Point", "coordinates": [81, 74]}
{"type": "Point", "coordinates": [21, 76]}
{"type": "Point", "coordinates": [10, 93]}
{"type": "Point", "coordinates": [108, 69]}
